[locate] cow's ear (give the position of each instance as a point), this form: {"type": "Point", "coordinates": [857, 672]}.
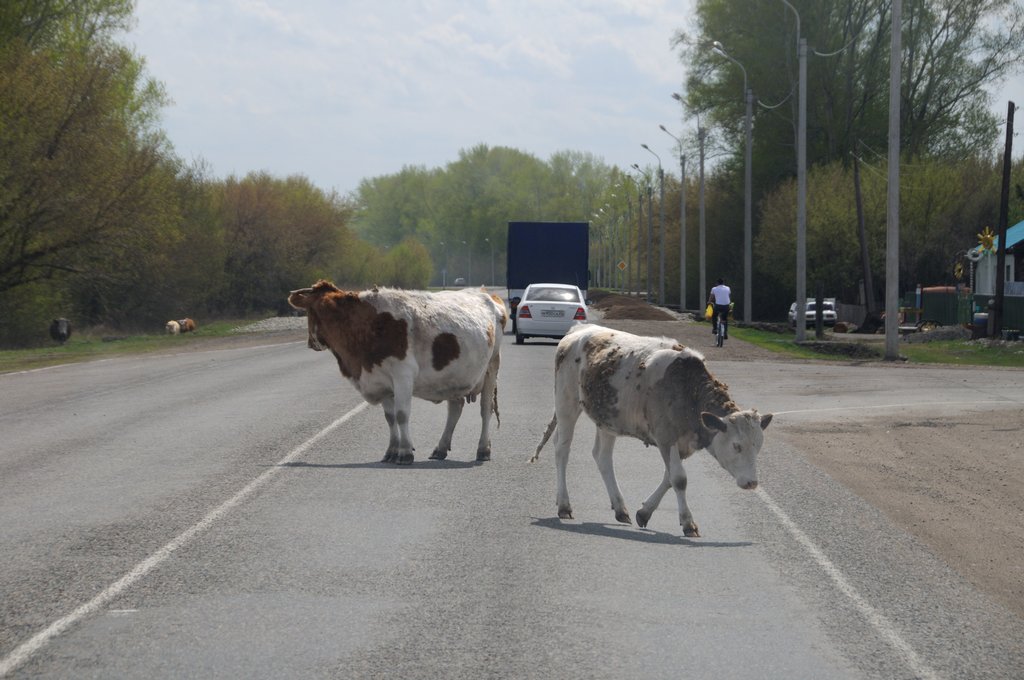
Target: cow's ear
{"type": "Point", "coordinates": [766, 420]}
{"type": "Point", "coordinates": [712, 422]}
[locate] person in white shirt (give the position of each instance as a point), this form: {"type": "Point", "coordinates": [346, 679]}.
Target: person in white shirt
{"type": "Point", "coordinates": [720, 299]}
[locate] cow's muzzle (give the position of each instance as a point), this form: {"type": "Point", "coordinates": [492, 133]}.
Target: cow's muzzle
{"type": "Point", "coordinates": [749, 486]}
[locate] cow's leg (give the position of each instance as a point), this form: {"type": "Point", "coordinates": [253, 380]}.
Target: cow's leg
{"type": "Point", "coordinates": [488, 406]}
{"type": "Point", "coordinates": [604, 443]}
{"type": "Point", "coordinates": [403, 407]}
{"type": "Point", "coordinates": [445, 445]}
{"type": "Point", "coordinates": [677, 477]}
{"type": "Point", "coordinates": [391, 455]}
{"type": "Point", "coordinates": [567, 417]}
{"type": "Point", "coordinates": [643, 515]}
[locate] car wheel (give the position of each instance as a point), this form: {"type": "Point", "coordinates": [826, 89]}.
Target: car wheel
{"type": "Point", "coordinates": [520, 338]}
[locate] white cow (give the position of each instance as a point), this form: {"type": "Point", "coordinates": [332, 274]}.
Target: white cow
{"type": "Point", "coordinates": [394, 345]}
{"type": "Point", "coordinates": [658, 391]}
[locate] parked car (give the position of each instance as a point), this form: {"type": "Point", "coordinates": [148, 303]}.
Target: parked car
{"type": "Point", "coordinates": [828, 312]}
{"type": "Point", "coordinates": [549, 310]}
{"type": "Point", "coordinates": [460, 281]}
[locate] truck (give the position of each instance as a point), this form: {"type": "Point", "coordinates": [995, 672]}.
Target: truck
{"type": "Point", "coordinates": [546, 252]}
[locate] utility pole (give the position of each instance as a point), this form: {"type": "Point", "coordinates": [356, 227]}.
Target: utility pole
{"type": "Point", "coordinates": [1004, 201]}
{"type": "Point", "coordinates": [892, 221]}
{"type": "Point", "coordinates": [700, 203]}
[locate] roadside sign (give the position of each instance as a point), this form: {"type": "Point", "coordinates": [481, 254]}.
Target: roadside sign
{"type": "Point", "coordinates": [621, 265]}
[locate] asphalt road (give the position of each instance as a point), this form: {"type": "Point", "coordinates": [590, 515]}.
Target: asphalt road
{"type": "Point", "coordinates": [223, 514]}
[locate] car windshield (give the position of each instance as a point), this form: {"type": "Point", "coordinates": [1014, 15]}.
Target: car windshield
{"type": "Point", "coordinates": [827, 306]}
{"type": "Point", "coordinates": [544, 294]}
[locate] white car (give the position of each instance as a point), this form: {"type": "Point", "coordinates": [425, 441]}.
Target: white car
{"type": "Point", "coordinates": [828, 312]}
{"type": "Point", "coordinates": [549, 310]}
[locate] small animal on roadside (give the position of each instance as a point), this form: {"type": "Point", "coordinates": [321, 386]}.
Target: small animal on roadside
{"type": "Point", "coordinates": [60, 330]}
{"type": "Point", "coordinates": [659, 392]}
{"type": "Point", "coordinates": [172, 327]}
{"type": "Point", "coordinates": [394, 345]}
{"type": "Point", "coordinates": [187, 325]}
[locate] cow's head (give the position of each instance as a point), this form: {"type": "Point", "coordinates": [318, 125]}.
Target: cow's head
{"type": "Point", "coordinates": [307, 298]}
{"type": "Point", "coordinates": [736, 441]}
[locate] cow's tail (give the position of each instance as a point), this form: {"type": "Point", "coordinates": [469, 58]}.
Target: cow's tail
{"type": "Point", "coordinates": [547, 435]}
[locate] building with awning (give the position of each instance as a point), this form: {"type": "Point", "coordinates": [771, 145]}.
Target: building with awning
{"type": "Point", "coordinates": [985, 264]}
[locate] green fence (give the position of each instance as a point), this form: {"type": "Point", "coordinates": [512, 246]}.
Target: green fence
{"type": "Point", "coordinates": [954, 308]}
{"type": "Point", "coordinates": [1013, 310]}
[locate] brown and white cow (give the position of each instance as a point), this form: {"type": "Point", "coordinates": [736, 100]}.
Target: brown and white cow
{"type": "Point", "coordinates": [394, 345]}
{"type": "Point", "coordinates": [658, 391]}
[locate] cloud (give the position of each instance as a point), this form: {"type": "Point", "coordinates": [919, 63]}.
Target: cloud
{"type": "Point", "coordinates": [343, 91]}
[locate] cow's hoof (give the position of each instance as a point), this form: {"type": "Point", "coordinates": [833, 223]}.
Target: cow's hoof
{"type": "Point", "coordinates": [390, 457]}
{"type": "Point", "coordinates": [438, 454]}
{"type": "Point", "coordinates": [623, 516]}
{"type": "Point", "coordinates": [691, 531]}
{"type": "Point", "coordinates": [482, 456]}
{"type": "Point", "coordinates": [404, 459]}
{"type": "Point", "coordinates": [565, 513]}
{"type": "Point", "coordinates": [642, 518]}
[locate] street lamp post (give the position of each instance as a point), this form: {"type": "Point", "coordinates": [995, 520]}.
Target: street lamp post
{"type": "Point", "coordinates": [748, 95]}
{"type": "Point", "coordinates": [682, 220]}
{"type": "Point", "coordinates": [492, 259]}
{"type": "Point", "coordinates": [650, 211]}
{"type": "Point", "coordinates": [469, 263]}
{"type": "Point", "coordinates": [444, 267]}
{"type": "Point", "coordinates": [661, 228]}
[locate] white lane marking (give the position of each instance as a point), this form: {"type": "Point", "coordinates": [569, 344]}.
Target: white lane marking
{"type": "Point", "coordinates": [877, 620]}
{"type": "Point", "coordinates": [24, 651]}
{"type": "Point", "coordinates": [830, 409]}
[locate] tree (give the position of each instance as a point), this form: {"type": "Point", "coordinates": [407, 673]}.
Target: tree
{"type": "Point", "coordinates": [279, 235]}
{"type": "Point", "coordinates": [953, 51]}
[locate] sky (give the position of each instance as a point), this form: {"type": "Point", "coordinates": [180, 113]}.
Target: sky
{"type": "Point", "coordinates": [346, 90]}
{"type": "Point", "coordinates": [342, 90]}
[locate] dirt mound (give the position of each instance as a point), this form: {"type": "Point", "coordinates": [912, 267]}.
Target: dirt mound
{"type": "Point", "coordinates": [851, 350]}
{"type": "Point", "coordinates": [616, 306]}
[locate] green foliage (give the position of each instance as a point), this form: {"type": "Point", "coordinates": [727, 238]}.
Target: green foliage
{"type": "Point", "coordinates": [410, 263]}
{"type": "Point", "coordinates": [279, 235]}
{"type": "Point", "coordinates": [461, 213]}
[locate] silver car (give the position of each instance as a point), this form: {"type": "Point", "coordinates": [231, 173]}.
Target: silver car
{"type": "Point", "coordinates": [549, 310]}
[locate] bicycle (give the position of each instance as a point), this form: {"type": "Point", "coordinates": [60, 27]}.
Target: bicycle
{"type": "Point", "coordinates": [722, 331]}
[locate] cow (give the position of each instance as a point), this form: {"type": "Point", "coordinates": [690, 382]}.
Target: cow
{"type": "Point", "coordinates": [186, 325]}
{"type": "Point", "coordinates": [393, 345]}
{"type": "Point", "coordinates": [60, 330]}
{"type": "Point", "coordinates": [658, 391]}
{"type": "Point", "coordinates": [172, 327]}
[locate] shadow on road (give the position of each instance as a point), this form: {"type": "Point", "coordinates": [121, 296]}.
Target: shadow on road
{"type": "Point", "coordinates": [631, 533]}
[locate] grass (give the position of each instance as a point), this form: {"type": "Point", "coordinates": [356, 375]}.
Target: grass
{"type": "Point", "coordinates": [93, 344]}
{"type": "Point", "coordinates": [782, 343]}
{"type": "Point", "coordinates": [954, 352]}
{"type": "Point", "coordinates": [964, 353]}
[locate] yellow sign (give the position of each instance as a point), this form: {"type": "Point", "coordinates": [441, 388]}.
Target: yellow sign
{"type": "Point", "coordinates": [986, 239]}
{"type": "Point", "coordinates": [621, 265]}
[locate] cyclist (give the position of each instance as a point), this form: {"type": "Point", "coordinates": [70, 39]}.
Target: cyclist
{"type": "Point", "coordinates": [720, 300]}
